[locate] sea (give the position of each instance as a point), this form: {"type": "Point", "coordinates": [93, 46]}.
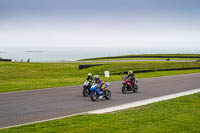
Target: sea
{"type": "Point", "coordinates": [75, 53]}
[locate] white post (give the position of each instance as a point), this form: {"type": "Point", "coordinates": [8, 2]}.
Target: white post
{"type": "Point", "coordinates": [107, 74]}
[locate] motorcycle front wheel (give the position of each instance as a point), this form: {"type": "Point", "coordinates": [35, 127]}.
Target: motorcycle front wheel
{"type": "Point", "coordinates": [85, 92]}
{"type": "Point", "coordinates": [93, 97]}
{"type": "Point", "coordinates": [124, 90]}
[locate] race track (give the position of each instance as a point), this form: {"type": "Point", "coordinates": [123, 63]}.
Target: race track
{"type": "Point", "coordinates": [30, 106]}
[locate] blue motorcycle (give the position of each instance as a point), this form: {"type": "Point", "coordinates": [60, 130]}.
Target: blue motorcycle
{"type": "Point", "coordinates": [100, 93]}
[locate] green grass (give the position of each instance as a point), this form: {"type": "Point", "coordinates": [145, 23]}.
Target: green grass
{"type": "Point", "coordinates": [28, 76]}
{"type": "Point", "coordinates": [180, 115]}
{"type": "Point", "coordinates": [169, 55]}
{"type": "Point", "coordinates": [154, 56]}
{"type": "Point", "coordinates": [145, 65]}
{"type": "Point", "coordinates": [164, 59]}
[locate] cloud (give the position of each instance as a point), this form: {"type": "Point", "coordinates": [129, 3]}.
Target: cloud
{"type": "Point", "coordinates": [135, 23]}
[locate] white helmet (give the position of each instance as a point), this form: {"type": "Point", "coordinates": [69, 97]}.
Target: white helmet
{"type": "Point", "coordinates": [89, 74]}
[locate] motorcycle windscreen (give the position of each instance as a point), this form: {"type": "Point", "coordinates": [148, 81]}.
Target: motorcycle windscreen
{"type": "Point", "coordinates": [94, 87]}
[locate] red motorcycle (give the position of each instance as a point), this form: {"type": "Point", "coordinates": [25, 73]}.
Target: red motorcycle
{"type": "Point", "coordinates": [128, 86]}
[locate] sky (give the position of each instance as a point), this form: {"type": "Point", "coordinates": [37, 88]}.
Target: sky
{"type": "Point", "coordinates": [162, 24]}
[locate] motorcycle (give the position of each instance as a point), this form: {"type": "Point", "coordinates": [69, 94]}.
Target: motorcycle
{"type": "Point", "coordinates": [100, 93]}
{"type": "Point", "coordinates": [86, 88]}
{"type": "Point", "coordinates": [128, 86]}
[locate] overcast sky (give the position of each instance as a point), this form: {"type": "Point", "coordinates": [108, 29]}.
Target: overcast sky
{"type": "Point", "coordinates": [131, 23]}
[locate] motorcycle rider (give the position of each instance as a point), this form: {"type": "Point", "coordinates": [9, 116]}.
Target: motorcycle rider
{"type": "Point", "coordinates": [89, 78]}
{"type": "Point", "coordinates": [99, 82]}
{"type": "Point", "coordinates": [131, 77]}
{"type": "Point", "coordinates": [87, 85]}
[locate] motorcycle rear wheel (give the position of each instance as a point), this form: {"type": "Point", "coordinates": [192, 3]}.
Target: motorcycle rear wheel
{"type": "Point", "coordinates": [107, 94]}
{"type": "Point", "coordinates": [135, 88]}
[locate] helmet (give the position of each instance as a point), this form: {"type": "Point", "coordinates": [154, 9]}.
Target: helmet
{"type": "Point", "coordinates": [96, 77]}
{"type": "Point", "coordinates": [89, 74]}
{"type": "Point", "coordinates": [130, 72]}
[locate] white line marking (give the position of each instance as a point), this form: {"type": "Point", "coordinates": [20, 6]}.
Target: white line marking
{"type": "Point", "coordinates": [143, 102]}
{"type": "Point", "coordinates": [119, 107]}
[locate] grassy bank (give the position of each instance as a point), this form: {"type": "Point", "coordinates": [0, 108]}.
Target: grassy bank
{"type": "Point", "coordinates": [164, 59]}
{"type": "Point", "coordinates": [180, 115]}
{"type": "Point", "coordinates": [149, 56]}
{"type": "Point", "coordinates": [28, 76]}
{"type": "Point", "coordinates": [145, 65]}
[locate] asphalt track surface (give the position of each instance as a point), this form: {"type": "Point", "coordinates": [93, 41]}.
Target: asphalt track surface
{"type": "Point", "coordinates": [30, 106]}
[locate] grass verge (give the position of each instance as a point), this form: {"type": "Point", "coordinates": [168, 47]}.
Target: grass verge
{"type": "Point", "coordinates": [179, 115]}
{"type": "Point", "coordinates": [29, 76]}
